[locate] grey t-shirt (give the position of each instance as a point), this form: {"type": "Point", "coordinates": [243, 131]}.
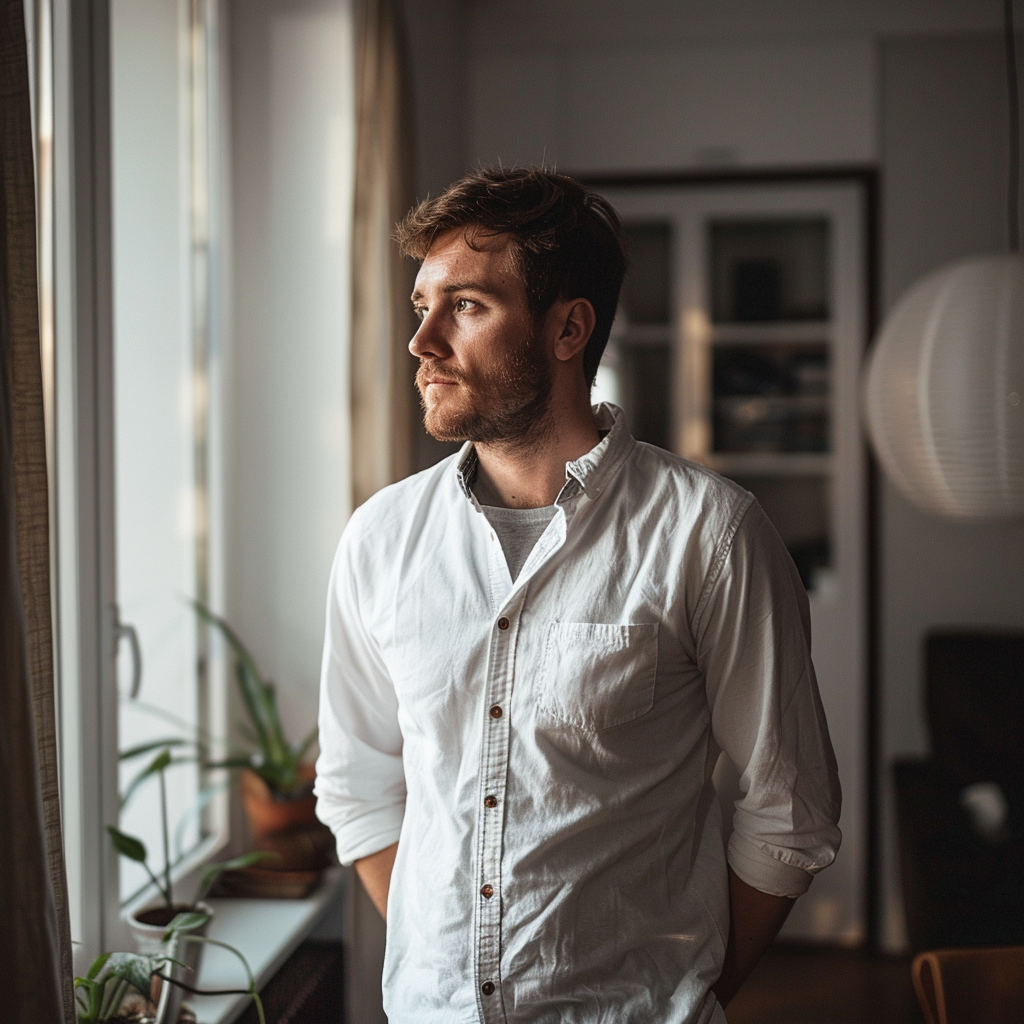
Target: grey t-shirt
{"type": "Point", "coordinates": [518, 529]}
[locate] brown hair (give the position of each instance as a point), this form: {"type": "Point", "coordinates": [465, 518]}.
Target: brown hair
{"type": "Point", "coordinates": [566, 240]}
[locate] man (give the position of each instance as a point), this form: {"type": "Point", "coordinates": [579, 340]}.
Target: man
{"type": "Point", "coordinates": [537, 650]}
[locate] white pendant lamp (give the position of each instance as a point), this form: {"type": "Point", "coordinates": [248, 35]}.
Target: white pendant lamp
{"type": "Point", "coordinates": [944, 384]}
{"type": "Point", "coordinates": [944, 389]}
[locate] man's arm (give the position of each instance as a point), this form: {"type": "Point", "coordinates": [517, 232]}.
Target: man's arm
{"type": "Point", "coordinates": [755, 918]}
{"type": "Point", "coordinates": [375, 874]}
{"type": "Point", "coordinates": [360, 777]}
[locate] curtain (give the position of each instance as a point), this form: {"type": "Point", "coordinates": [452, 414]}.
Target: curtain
{"type": "Point", "coordinates": [383, 395]}
{"type": "Point", "coordinates": [35, 941]}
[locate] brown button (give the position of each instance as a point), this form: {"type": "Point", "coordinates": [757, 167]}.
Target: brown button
{"type": "Point", "coordinates": [495, 711]}
{"type": "Point", "coordinates": [487, 988]}
{"type": "Point", "coordinates": [490, 801]}
{"type": "Point", "coordinates": [487, 892]}
{"type": "Point", "coordinates": [503, 623]}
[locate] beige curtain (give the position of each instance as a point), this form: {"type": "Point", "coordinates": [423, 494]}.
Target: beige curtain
{"type": "Point", "coordinates": [383, 399]}
{"type": "Point", "coordinates": [35, 943]}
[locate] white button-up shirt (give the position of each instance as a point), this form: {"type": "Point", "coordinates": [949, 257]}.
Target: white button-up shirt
{"type": "Point", "coordinates": [542, 750]}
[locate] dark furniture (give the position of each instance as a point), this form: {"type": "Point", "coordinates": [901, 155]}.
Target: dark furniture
{"type": "Point", "coordinates": [960, 888]}
{"type": "Point", "coordinates": [307, 989]}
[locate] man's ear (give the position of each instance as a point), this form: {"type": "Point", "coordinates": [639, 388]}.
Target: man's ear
{"type": "Point", "coordinates": [575, 320]}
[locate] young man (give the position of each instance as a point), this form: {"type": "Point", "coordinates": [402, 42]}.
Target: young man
{"type": "Point", "coordinates": [537, 650]}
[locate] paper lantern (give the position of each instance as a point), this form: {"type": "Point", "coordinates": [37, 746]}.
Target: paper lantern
{"type": "Point", "coordinates": [944, 387]}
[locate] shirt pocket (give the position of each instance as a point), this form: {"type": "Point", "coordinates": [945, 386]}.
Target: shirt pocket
{"type": "Point", "coordinates": [594, 676]}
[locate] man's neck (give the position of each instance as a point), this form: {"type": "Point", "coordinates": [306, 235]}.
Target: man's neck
{"type": "Point", "coordinates": [531, 476]}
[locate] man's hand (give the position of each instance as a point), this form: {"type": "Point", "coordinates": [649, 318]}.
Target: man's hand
{"type": "Point", "coordinates": [754, 920]}
{"type": "Point", "coordinates": [375, 874]}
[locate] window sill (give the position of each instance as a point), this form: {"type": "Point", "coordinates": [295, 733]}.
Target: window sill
{"type": "Point", "coordinates": [266, 932]}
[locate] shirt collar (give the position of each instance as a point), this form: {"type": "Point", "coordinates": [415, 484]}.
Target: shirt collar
{"type": "Point", "coordinates": [592, 471]}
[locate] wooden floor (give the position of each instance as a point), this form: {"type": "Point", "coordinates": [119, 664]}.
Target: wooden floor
{"type": "Point", "coordinates": [810, 985]}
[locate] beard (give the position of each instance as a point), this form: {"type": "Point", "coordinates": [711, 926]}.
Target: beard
{"type": "Point", "coordinates": [505, 405]}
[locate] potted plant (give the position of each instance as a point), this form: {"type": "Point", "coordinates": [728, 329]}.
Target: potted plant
{"type": "Point", "coordinates": [149, 924]}
{"type": "Point", "coordinates": [100, 996]}
{"type": "Point", "coordinates": [277, 787]}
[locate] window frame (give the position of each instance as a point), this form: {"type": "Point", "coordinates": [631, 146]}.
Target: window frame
{"type": "Point", "coordinates": [82, 467]}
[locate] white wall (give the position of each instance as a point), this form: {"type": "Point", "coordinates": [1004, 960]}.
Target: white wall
{"type": "Point", "coordinates": [655, 106]}
{"type": "Point", "coordinates": [289, 494]}
{"type": "Point", "coordinates": [671, 84]}
{"type": "Point", "coordinates": [943, 142]}
{"type": "Point", "coordinates": [438, 50]}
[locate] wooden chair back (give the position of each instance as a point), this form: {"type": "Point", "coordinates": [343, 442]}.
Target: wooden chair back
{"type": "Point", "coordinates": [967, 986]}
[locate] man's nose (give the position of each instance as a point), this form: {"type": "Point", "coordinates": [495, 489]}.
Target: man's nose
{"type": "Point", "coordinates": [428, 341]}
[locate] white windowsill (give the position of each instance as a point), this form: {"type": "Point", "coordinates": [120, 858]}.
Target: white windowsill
{"type": "Point", "coordinates": [267, 933]}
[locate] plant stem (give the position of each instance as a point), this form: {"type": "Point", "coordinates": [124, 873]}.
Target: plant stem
{"type": "Point", "coordinates": [166, 893]}
{"type": "Point", "coordinates": [166, 838]}
{"type": "Point", "coordinates": [203, 991]}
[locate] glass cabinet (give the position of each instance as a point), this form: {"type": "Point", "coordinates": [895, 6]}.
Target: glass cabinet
{"type": "Point", "coordinates": [738, 345]}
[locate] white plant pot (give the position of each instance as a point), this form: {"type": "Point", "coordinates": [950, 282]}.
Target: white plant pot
{"type": "Point", "coordinates": [149, 939]}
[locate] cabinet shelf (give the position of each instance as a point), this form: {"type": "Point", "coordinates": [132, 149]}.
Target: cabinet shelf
{"type": "Point", "coordinates": [774, 331]}
{"type": "Point", "coordinates": [644, 334]}
{"type": "Point", "coordinates": [768, 463]}
{"type": "Point", "coordinates": [758, 406]}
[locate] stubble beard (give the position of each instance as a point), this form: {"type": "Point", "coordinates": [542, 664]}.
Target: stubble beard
{"type": "Point", "coordinates": [508, 407]}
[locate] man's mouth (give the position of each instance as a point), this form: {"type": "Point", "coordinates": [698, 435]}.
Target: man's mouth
{"type": "Point", "coordinates": [431, 376]}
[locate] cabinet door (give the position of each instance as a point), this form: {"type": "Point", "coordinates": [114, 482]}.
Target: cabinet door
{"type": "Point", "coordinates": [749, 300]}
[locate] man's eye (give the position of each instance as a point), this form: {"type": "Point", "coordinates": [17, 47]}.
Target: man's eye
{"type": "Point", "coordinates": [420, 312]}
{"type": "Point", "coordinates": [462, 305]}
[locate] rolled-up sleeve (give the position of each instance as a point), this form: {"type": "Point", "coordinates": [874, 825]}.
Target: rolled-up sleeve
{"type": "Point", "coordinates": [753, 635]}
{"type": "Point", "coordinates": [360, 784]}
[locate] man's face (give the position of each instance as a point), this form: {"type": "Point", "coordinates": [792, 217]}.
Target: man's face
{"type": "Point", "coordinates": [484, 373]}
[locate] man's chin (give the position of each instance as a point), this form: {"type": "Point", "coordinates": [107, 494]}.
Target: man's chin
{"type": "Point", "coordinates": [445, 428]}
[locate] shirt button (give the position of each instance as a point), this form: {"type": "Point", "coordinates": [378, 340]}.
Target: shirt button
{"type": "Point", "coordinates": [495, 711]}
{"type": "Point", "coordinates": [487, 988]}
{"type": "Point", "coordinates": [487, 892]}
{"type": "Point", "coordinates": [490, 801]}
{"type": "Point", "coordinates": [503, 623]}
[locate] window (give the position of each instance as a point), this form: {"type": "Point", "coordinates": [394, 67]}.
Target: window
{"type": "Point", "coordinates": [148, 459]}
{"type": "Point", "coordinates": [163, 62]}
{"type": "Point", "coordinates": [135, 374]}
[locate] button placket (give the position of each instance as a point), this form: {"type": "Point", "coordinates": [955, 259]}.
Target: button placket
{"type": "Point", "coordinates": [494, 771]}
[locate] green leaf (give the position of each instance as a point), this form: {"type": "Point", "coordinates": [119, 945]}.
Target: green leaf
{"type": "Point", "coordinates": [235, 761]}
{"type": "Point", "coordinates": [257, 695]}
{"type": "Point", "coordinates": [259, 706]}
{"type": "Point", "coordinates": [128, 846]}
{"type": "Point", "coordinates": [145, 748]}
{"type": "Point", "coordinates": [83, 996]}
{"type": "Point", "coordinates": [168, 716]}
{"type": "Point", "coordinates": [158, 764]}
{"type": "Point", "coordinates": [111, 1002]}
{"type": "Point", "coordinates": [187, 921]}
{"type": "Point", "coordinates": [97, 966]}
{"type": "Point", "coordinates": [134, 968]}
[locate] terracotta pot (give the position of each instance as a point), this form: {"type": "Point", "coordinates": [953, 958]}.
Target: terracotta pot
{"type": "Point", "coordinates": [269, 812]}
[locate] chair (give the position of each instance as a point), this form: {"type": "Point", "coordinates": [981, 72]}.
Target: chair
{"type": "Point", "coordinates": [960, 888]}
{"type": "Point", "coordinates": [971, 986]}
